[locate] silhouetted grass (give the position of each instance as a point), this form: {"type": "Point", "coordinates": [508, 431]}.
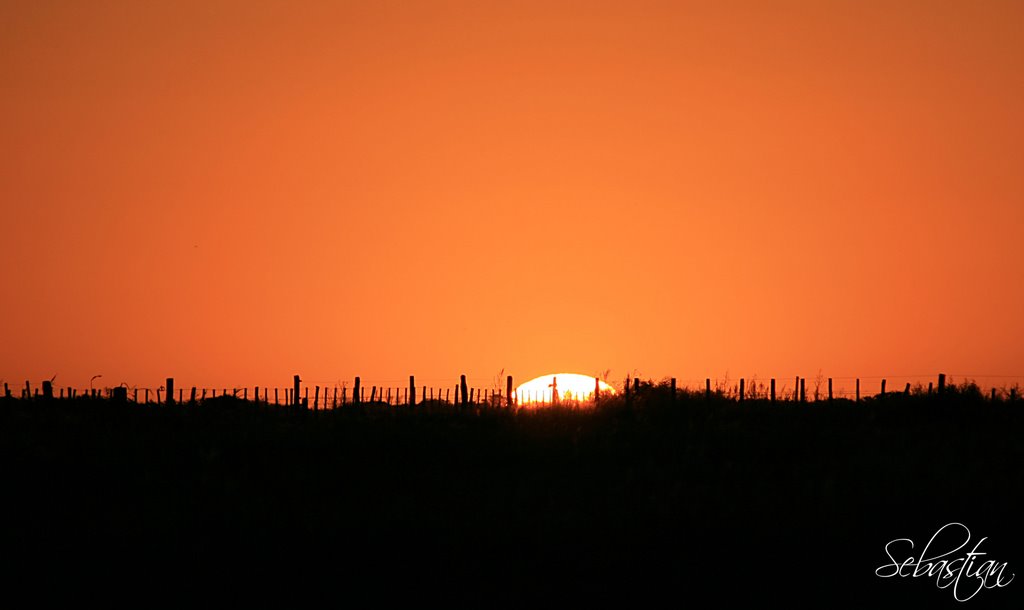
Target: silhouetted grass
{"type": "Point", "coordinates": [682, 496]}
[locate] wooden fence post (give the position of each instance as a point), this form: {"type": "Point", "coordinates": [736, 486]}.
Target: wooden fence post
{"type": "Point", "coordinates": [192, 395]}
{"type": "Point", "coordinates": [931, 386]}
{"type": "Point", "coordinates": [28, 390]}
{"type": "Point", "coordinates": [412, 390]}
{"type": "Point", "coordinates": [7, 391]}
{"type": "Point", "coordinates": [773, 389]}
{"type": "Point", "coordinates": [830, 389]}
{"type": "Point", "coordinates": [796, 389]}
{"type": "Point", "coordinates": [858, 389]}
{"type": "Point", "coordinates": [170, 390]}
{"type": "Point", "coordinates": [942, 383]}
{"type": "Point", "coordinates": [883, 387]}
{"type": "Point", "coordinates": [707, 388]}
{"type": "Point", "coordinates": [803, 390]}
{"type": "Point", "coordinates": [316, 399]}
{"type": "Point", "coordinates": [355, 392]}
{"type": "Point", "coordinates": [471, 390]}
{"type": "Point", "coordinates": [464, 389]}
{"type": "Point", "coordinates": [906, 390]}
{"type": "Point", "coordinates": [158, 399]}
{"type": "Point", "coordinates": [295, 390]}
{"type": "Point", "coordinates": [508, 392]}
{"type": "Point", "coordinates": [334, 399]}
{"type": "Point", "coordinates": [741, 389]}
{"type": "Point", "coordinates": [245, 394]}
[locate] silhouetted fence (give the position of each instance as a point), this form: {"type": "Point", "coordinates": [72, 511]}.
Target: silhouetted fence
{"type": "Point", "coordinates": [461, 393]}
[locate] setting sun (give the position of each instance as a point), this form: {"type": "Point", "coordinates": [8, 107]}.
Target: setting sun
{"type": "Point", "coordinates": [548, 389]}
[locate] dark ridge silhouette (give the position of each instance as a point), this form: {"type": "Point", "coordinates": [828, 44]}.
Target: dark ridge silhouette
{"type": "Point", "coordinates": [685, 496]}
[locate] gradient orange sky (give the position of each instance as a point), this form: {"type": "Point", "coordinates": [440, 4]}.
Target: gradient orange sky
{"type": "Point", "coordinates": [233, 192]}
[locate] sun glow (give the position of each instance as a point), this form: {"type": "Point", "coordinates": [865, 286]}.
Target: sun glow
{"type": "Point", "coordinates": [561, 388]}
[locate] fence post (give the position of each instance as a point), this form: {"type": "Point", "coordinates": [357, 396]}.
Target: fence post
{"type": "Point", "coordinates": [803, 390]}
{"type": "Point", "coordinates": [858, 389]}
{"type": "Point", "coordinates": [28, 390]}
{"type": "Point", "coordinates": [707, 388]}
{"type": "Point", "coordinates": [192, 395]}
{"type": "Point", "coordinates": [170, 390]}
{"type": "Point", "coordinates": [316, 398]}
{"type": "Point", "coordinates": [883, 387]}
{"type": "Point", "coordinates": [464, 390]}
{"type": "Point", "coordinates": [245, 394]}
{"type": "Point", "coordinates": [942, 383]}
{"type": "Point", "coordinates": [47, 390]}
{"type": "Point", "coordinates": [508, 391]}
{"type": "Point", "coordinates": [741, 389]}
{"type": "Point", "coordinates": [295, 390]}
{"type": "Point", "coordinates": [412, 390]}
{"type": "Point", "coordinates": [931, 385]}
{"type": "Point", "coordinates": [830, 389]}
{"type": "Point", "coordinates": [773, 389]}
{"type": "Point", "coordinates": [7, 391]}
{"type": "Point", "coordinates": [906, 390]}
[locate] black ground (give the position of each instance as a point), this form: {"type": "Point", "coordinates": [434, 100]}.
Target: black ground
{"type": "Point", "coordinates": [691, 502]}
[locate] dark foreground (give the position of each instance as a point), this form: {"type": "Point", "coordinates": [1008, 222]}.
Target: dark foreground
{"type": "Point", "coordinates": [698, 503]}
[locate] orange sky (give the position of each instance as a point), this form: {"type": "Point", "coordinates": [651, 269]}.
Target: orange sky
{"type": "Point", "coordinates": [233, 192]}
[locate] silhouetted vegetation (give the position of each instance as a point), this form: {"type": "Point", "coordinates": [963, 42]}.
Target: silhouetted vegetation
{"type": "Point", "coordinates": [683, 496]}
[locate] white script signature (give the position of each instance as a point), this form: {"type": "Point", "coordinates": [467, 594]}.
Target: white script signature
{"type": "Point", "coordinates": [966, 573]}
